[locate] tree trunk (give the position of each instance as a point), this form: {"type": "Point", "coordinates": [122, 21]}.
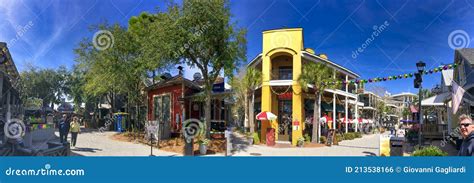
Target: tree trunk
{"type": "Point", "coordinates": [251, 113]}
{"type": "Point", "coordinates": [246, 113]}
{"type": "Point", "coordinates": [207, 111]}
{"type": "Point", "coordinates": [315, 137]}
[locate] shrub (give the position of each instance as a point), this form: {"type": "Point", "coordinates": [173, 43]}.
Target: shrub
{"type": "Point", "coordinates": [430, 151]}
{"type": "Point", "coordinates": [358, 134]}
{"type": "Point", "coordinates": [307, 138]}
{"type": "Point", "coordinates": [339, 137]}
{"type": "Point", "coordinates": [256, 138]}
{"type": "Point", "coordinates": [301, 142]}
{"type": "Point", "coordinates": [349, 136]}
{"type": "Point", "coordinates": [322, 139]}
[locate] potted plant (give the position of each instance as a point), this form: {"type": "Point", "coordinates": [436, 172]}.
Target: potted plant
{"type": "Point", "coordinates": [249, 137]}
{"type": "Point", "coordinates": [203, 143]}
{"type": "Point", "coordinates": [300, 142]}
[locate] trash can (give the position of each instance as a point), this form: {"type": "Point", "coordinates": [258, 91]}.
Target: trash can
{"type": "Point", "coordinates": [396, 146]}
{"type": "Point", "coordinates": [270, 137]}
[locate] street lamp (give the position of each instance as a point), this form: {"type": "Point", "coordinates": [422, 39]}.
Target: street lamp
{"type": "Point", "coordinates": [418, 80]}
{"type": "Point", "coordinates": [420, 66]}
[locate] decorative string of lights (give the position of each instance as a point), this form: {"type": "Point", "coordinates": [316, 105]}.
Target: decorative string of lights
{"type": "Point", "coordinates": [395, 77]}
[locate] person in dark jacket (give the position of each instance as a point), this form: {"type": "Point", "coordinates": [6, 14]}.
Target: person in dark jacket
{"type": "Point", "coordinates": [467, 132]}
{"type": "Point", "coordinates": [63, 129]}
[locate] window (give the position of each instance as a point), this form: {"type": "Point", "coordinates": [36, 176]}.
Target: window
{"type": "Point", "coordinates": [161, 108]}
{"type": "Point", "coordinates": [285, 73]}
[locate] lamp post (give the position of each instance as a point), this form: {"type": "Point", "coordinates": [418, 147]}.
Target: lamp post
{"type": "Point", "coordinates": [418, 82]}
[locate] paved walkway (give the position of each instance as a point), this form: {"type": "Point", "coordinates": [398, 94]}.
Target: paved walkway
{"type": "Point", "coordinates": [94, 143]}
{"type": "Point", "coordinates": [368, 145]}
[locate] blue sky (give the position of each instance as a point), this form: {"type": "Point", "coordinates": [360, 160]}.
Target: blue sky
{"type": "Point", "coordinates": [47, 31]}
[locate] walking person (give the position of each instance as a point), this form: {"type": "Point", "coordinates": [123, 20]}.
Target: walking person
{"type": "Point", "coordinates": [467, 132]}
{"type": "Point", "coordinates": [75, 129]}
{"type": "Point", "coordinates": [63, 129]}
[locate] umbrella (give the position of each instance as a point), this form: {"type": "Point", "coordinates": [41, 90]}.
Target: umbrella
{"type": "Point", "coordinates": [266, 116]}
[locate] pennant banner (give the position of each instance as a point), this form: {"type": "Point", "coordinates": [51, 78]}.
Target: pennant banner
{"type": "Point", "coordinates": [394, 77]}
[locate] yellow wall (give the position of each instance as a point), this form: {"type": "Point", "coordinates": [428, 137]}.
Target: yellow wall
{"type": "Point", "coordinates": [275, 43]}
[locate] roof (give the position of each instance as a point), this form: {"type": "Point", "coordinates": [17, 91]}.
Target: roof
{"type": "Point", "coordinates": [437, 100]}
{"type": "Point", "coordinates": [10, 67]}
{"type": "Point", "coordinates": [403, 94]}
{"type": "Point", "coordinates": [174, 80]}
{"type": "Point", "coordinates": [347, 71]}
{"type": "Point", "coordinates": [447, 76]}
{"type": "Point", "coordinates": [467, 54]}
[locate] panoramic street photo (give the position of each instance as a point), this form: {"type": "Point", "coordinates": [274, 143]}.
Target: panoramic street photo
{"type": "Point", "coordinates": [236, 78]}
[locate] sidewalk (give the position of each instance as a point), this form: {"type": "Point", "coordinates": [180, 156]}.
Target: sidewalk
{"type": "Point", "coordinates": [94, 143]}
{"type": "Point", "coordinates": [368, 145]}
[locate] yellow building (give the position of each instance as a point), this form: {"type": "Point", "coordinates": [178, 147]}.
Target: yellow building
{"type": "Point", "coordinates": [281, 62]}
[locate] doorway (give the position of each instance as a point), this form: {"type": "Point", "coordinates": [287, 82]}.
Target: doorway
{"type": "Point", "coordinates": [284, 120]}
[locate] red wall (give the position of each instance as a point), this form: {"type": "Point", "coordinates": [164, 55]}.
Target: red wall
{"type": "Point", "coordinates": [175, 91]}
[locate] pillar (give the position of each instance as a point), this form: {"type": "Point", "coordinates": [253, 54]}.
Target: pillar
{"type": "Point", "coordinates": [266, 94]}
{"type": "Point", "coordinates": [357, 111]}
{"type": "Point", "coordinates": [334, 116]}
{"type": "Point", "coordinates": [345, 104]}
{"type": "Point", "coordinates": [297, 101]}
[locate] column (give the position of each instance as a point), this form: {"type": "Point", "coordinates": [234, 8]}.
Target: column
{"type": "Point", "coordinates": [318, 122]}
{"type": "Point", "coordinates": [297, 101]}
{"type": "Point", "coordinates": [266, 94]}
{"type": "Point", "coordinates": [345, 105]}
{"type": "Point", "coordinates": [334, 116]}
{"type": "Point", "coordinates": [356, 111]}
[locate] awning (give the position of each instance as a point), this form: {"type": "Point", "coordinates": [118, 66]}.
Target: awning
{"type": "Point", "coordinates": [437, 100]}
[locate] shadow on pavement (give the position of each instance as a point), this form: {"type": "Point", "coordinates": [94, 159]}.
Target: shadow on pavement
{"type": "Point", "coordinates": [85, 149]}
{"type": "Point", "coordinates": [362, 147]}
{"type": "Point", "coordinates": [369, 153]}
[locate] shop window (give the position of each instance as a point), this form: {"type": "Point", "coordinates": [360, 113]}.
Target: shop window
{"type": "Point", "coordinates": [161, 108]}
{"type": "Point", "coordinates": [285, 73]}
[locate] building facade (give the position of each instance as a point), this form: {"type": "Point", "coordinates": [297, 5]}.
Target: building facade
{"type": "Point", "coordinates": [281, 61]}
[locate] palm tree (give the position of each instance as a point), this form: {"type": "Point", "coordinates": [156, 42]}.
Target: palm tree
{"type": "Point", "coordinates": [252, 79]}
{"type": "Point", "coordinates": [321, 77]}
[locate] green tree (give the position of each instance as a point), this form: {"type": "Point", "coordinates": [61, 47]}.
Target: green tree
{"type": "Point", "coordinates": [47, 84]}
{"type": "Point", "coordinates": [252, 79]}
{"type": "Point", "coordinates": [113, 71]}
{"type": "Point", "coordinates": [199, 34]}
{"type": "Point", "coordinates": [320, 76]}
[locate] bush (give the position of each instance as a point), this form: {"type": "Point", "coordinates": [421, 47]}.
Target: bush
{"type": "Point", "coordinates": [256, 138]}
{"type": "Point", "coordinates": [322, 139]}
{"type": "Point", "coordinates": [358, 135]}
{"type": "Point", "coordinates": [349, 136]}
{"type": "Point", "coordinates": [430, 151]}
{"type": "Point", "coordinates": [339, 137]}
{"type": "Point", "coordinates": [307, 138]}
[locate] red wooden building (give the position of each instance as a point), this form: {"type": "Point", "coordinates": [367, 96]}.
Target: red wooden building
{"type": "Point", "coordinates": [167, 104]}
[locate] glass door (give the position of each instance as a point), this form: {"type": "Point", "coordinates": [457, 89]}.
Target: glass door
{"type": "Point", "coordinates": [284, 120]}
